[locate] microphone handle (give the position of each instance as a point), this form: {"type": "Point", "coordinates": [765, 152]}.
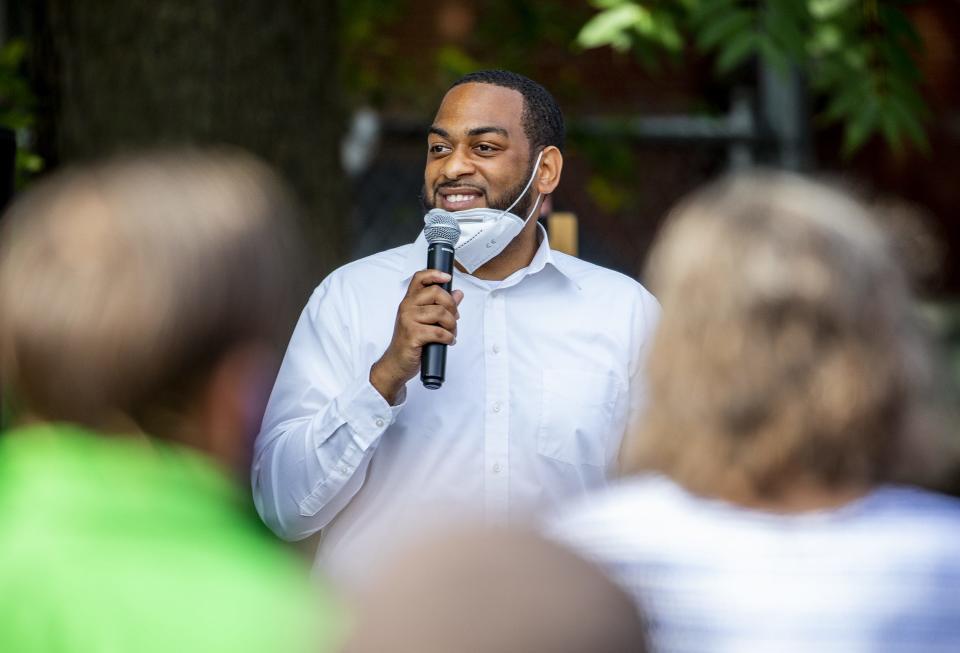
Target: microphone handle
{"type": "Point", "coordinates": [433, 360]}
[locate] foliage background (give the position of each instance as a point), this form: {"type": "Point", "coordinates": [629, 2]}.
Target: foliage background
{"type": "Point", "coordinates": [857, 54]}
{"type": "Point", "coordinates": [81, 79]}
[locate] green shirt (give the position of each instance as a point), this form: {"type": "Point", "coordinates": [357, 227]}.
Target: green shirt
{"type": "Point", "coordinates": [130, 545]}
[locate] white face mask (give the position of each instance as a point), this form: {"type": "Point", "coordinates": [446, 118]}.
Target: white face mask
{"type": "Point", "coordinates": [485, 232]}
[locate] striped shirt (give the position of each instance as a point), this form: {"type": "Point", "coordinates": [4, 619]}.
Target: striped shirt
{"type": "Point", "coordinates": [879, 574]}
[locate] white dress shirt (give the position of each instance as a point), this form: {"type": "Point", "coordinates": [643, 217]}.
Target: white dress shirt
{"type": "Point", "coordinates": [541, 386]}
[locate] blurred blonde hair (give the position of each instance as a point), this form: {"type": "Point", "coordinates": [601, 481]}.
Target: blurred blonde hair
{"type": "Point", "coordinates": [122, 283]}
{"type": "Point", "coordinates": [788, 348]}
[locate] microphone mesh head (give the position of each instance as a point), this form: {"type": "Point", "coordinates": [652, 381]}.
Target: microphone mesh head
{"type": "Point", "coordinates": [441, 228]}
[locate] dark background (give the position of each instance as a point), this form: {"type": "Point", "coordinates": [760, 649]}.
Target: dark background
{"type": "Point", "coordinates": [338, 96]}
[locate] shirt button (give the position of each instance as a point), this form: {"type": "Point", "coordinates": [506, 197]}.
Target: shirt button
{"type": "Point", "coordinates": [379, 422]}
{"type": "Point", "coordinates": [343, 469]}
{"type": "Point", "coordinates": [496, 468]}
{"type": "Point", "coordinates": [496, 407]}
{"type": "Point", "coordinates": [496, 349]}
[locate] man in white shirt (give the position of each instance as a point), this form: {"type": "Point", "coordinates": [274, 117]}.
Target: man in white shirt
{"type": "Point", "coordinates": [543, 374]}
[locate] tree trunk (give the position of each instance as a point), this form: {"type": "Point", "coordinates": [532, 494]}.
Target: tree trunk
{"type": "Point", "coordinates": [259, 74]}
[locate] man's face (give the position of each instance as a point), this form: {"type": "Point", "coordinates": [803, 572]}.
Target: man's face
{"type": "Point", "coordinates": [477, 152]}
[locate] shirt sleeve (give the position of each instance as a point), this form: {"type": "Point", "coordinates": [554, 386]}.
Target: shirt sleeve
{"type": "Point", "coordinates": [322, 424]}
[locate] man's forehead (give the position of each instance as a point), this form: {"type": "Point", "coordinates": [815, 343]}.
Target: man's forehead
{"type": "Point", "coordinates": [475, 108]}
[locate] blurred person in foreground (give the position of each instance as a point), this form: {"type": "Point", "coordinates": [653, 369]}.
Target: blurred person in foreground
{"type": "Point", "coordinates": [495, 591]}
{"type": "Point", "coordinates": [141, 301]}
{"type": "Point", "coordinates": [784, 386]}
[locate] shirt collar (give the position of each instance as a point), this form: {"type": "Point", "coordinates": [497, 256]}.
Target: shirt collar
{"type": "Point", "coordinates": [417, 256]}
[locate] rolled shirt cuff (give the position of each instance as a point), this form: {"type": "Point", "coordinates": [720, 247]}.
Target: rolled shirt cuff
{"type": "Point", "coordinates": [367, 413]}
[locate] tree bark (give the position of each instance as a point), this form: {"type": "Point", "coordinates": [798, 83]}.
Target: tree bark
{"type": "Point", "coordinates": [259, 74]}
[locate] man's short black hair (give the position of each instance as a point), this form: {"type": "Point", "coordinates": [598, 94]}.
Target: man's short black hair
{"type": "Point", "coordinates": [542, 119]}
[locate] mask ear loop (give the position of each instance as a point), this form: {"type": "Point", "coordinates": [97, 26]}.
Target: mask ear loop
{"type": "Point", "coordinates": [533, 176]}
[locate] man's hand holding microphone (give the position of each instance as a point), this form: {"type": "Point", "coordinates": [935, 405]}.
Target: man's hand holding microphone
{"type": "Point", "coordinates": [426, 318]}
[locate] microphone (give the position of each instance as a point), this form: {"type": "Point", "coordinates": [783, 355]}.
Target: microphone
{"type": "Point", "coordinates": [442, 233]}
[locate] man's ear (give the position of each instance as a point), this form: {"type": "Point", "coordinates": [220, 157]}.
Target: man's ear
{"type": "Point", "coordinates": [548, 174]}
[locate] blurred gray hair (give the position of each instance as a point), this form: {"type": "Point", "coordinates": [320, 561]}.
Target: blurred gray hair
{"type": "Point", "coordinates": [789, 347]}
{"type": "Point", "coordinates": [498, 590]}
{"type": "Point", "coordinates": [122, 283]}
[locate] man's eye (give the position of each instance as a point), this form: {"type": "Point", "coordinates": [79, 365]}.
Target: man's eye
{"type": "Point", "coordinates": [485, 149]}
{"type": "Point", "coordinates": [437, 148]}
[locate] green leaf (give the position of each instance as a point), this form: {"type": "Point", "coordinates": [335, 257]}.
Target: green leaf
{"type": "Point", "coordinates": [891, 129]}
{"type": "Point", "coordinates": [907, 92]}
{"type": "Point", "coordinates": [609, 27]}
{"type": "Point", "coordinates": [909, 120]}
{"type": "Point", "coordinates": [670, 39]}
{"type": "Point", "coordinates": [663, 30]}
{"type": "Point", "coordinates": [607, 4]}
{"type": "Point", "coordinates": [736, 51]}
{"type": "Point", "coordinates": [785, 24]}
{"type": "Point", "coordinates": [855, 56]}
{"type": "Point", "coordinates": [846, 102]}
{"type": "Point", "coordinates": [12, 54]}
{"type": "Point", "coordinates": [859, 128]}
{"type": "Point", "coordinates": [645, 23]}
{"type": "Point", "coordinates": [706, 11]}
{"type": "Point", "coordinates": [29, 162]}
{"type": "Point", "coordinates": [725, 27]}
{"type": "Point", "coordinates": [827, 38]}
{"type": "Point", "coordinates": [825, 9]}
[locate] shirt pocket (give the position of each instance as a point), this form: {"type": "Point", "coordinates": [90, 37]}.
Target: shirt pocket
{"type": "Point", "coordinates": [576, 414]}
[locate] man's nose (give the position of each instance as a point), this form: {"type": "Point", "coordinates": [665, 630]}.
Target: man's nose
{"type": "Point", "coordinates": [457, 164]}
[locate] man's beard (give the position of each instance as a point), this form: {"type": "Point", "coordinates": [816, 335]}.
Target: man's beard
{"type": "Point", "coordinates": [501, 203]}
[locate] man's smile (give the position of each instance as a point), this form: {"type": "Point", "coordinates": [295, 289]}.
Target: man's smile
{"type": "Point", "coordinates": [459, 198]}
